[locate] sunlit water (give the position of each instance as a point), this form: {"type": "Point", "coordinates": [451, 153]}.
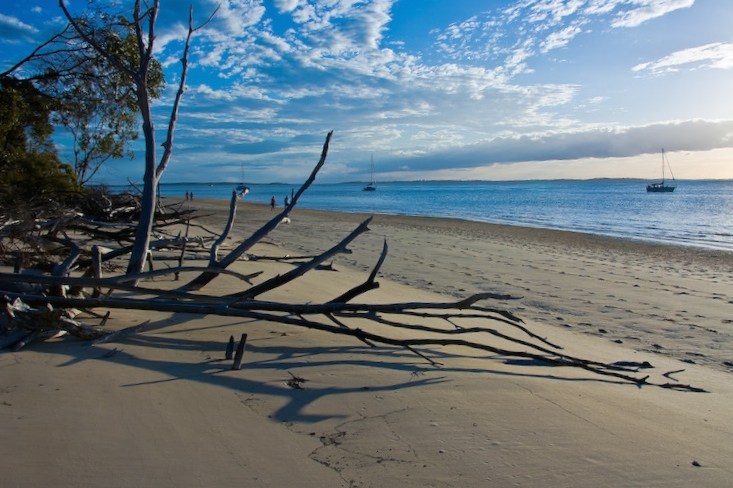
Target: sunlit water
{"type": "Point", "coordinates": [698, 213]}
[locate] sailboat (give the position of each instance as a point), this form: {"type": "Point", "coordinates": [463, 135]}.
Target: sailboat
{"type": "Point", "coordinates": [372, 185]}
{"type": "Point", "coordinates": [663, 187]}
{"type": "Point", "coordinates": [241, 188]}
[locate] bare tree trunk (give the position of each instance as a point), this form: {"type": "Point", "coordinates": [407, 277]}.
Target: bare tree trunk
{"type": "Point", "coordinates": [150, 185]}
{"type": "Point", "coordinates": [214, 254]}
{"type": "Point", "coordinates": [144, 23]}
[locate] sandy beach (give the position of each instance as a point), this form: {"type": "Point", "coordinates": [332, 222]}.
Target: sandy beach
{"type": "Point", "coordinates": [162, 408]}
{"type": "Point", "coordinates": [669, 300]}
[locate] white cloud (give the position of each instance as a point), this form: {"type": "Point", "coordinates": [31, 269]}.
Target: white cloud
{"type": "Point", "coordinates": [644, 10]}
{"type": "Point", "coordinates": [552, 11]}
{"type": "Point", "coordinates": [14, 30]}
{"type": "Point", "coordinates": [532, 27]}
{"type": "Point", "coordinates": [570, 145]}
{"type": "Point", "coordinates": [285, 6]}
{"type": "Point", "coordinates": [717, 55]}
{"type": "Point", "coordinates": [174, 33]}
{"type": "Point", "coordinates": [235, 16]}
{"type": "Point", "coordinates": [560, 38]}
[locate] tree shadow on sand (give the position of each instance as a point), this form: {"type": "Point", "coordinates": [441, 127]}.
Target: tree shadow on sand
{"type": "Point", "coordinates": [264, 354]}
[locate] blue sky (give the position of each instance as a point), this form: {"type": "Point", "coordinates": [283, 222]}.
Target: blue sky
{"type": "Point", "coordinates": [435, 89]}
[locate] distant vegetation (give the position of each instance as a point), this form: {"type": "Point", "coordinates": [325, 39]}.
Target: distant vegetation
{"type": "Point", "coordinates": [66, 84]}
{"type": "Point", "coordinates": [30, 169]}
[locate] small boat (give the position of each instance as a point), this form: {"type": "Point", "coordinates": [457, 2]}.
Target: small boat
{"type": "Point", "coordinates": [241, 188]}
{"type": "Point", "coordinates": [663, 187]}
{"type": "Point", "coordinates": [372, 185]}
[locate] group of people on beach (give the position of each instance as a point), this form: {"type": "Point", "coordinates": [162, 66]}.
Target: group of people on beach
{"type": "Point", "coordinates": [273, 201]}
{"type": "Point", "coordinates": [286, 200]}
{"type": "Point", "coordinates": [189, 195]}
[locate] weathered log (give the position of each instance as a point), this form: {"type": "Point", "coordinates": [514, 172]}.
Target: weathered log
{"type": "Point", "coordinates": [240, 352]}
{"type": "Point", "coordinates": [230, 348]}
{"type": "Point", "coordinates": [264, 311]}
{"type": "Point", "coordinates": [214, 256]}
{"type": "Point", "coordinates": [81, 330]}
{"type": "Point", "coordinates": [183, 249]}
{"type": "Point", "coordinates": [121, 334]}
{"type": "Point", "coordinates": [96, 268]}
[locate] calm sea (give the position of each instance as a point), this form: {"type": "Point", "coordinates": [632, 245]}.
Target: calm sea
{"type": "Point", "coordinates": [698, 213]}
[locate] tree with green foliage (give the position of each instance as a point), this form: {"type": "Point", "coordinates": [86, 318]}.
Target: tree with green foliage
{"type": "Point", "coordinates": [98, 107]}
{"type": "Point", "coordinates": [138, 68]}
{"type": "Point", "coordinates": [95, 102]}
{"type": "Point", "coordinates": [30, 169]}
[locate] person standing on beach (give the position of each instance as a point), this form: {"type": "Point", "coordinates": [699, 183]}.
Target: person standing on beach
{"type": "Point", "coordinates": [273, 202]}
{"type": "Point", "coordinates": [287, 200]}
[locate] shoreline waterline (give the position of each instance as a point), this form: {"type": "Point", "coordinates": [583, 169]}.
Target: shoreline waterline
{"type": "Point", "coordinates": [696, 215]}
{"type": "Point", "coordinates": [533, 232]}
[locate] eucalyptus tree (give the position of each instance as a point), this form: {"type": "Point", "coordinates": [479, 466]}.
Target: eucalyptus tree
{"type": "Point", "coordinates": [92, 101]}
{"type": "Point", "coordinates": [141, 23]}
{"type": "Point", "coordinates": [98, 106]}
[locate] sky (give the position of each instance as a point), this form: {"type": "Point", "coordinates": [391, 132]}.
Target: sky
{"type": "Point", "coordinates": [433, 89]}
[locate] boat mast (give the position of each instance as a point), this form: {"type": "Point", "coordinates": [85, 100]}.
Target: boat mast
{"type": "Point", "coordinates": [372, 168]}
{"type": "Point", "coordinates": [670, 172]}
{"type": "Point", "coordinates": [663, 166]}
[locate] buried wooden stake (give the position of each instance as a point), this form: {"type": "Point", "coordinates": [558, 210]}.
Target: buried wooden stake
{"type": "Point", "coordinates": [230, 348]}
{"type": "Point", "coordinates": [240, 352]}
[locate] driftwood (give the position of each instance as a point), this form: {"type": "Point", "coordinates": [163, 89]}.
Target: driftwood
{"type": "Point", "coordinates": [34, 311]}
{"type": "Point", "coordinates": [206, 277]}
{"type": "Point", "coordinates": [240, 352]}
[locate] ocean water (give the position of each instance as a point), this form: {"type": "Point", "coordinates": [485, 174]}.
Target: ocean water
{"type": "Point", "coordinates": [698, 213]}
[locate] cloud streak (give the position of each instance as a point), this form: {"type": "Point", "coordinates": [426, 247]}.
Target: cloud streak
{"type": "Point", "coordinates": [598, 143]}
{"type": "Point", "coordinates": [15, 30]}
{"type": "Point", "coordinates": [717, 55]}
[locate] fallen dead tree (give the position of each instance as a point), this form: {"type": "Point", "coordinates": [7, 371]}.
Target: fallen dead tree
{"type": "Point", "coordinates": [38, 307]}
{"type": "Point", "coordinates": [40, 237]}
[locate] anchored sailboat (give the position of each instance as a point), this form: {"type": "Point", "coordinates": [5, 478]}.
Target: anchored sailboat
{"type": "Point", "coordinates": [241, 188]}
{"type": "Point", "coordinates": [663, 187]}
{"type": "Point", "coordinates": [372, 186]}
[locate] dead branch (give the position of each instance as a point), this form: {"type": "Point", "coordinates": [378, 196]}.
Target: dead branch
{"type": "Point", "coordinates": [247, 244]}
{"type": "Point", "coordinates": [369, 284]}
{"type": "Point", "coordinates": [227, 229]}
{"type": "Point", "coordinates": [280, 280]}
